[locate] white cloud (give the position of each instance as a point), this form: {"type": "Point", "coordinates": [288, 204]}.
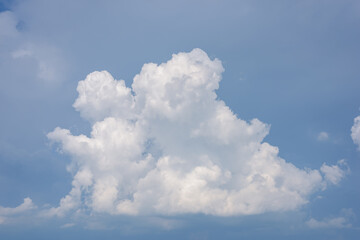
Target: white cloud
{"type": "Point", "coordinates": [343, 221]}
{"type": "Point", "coordinates": [7, 212]}
{"type": "Point", "coordinates": [25, 206]}
{"type": "Point", "coordinates": [68, 225]}
{"type": "Point", "coordinates": [338, 222]}
{"type": "Point", "coordinates": [323, 136]}
{"type": "Point", "coordinates": [334, 173]}
{"type": "Point", "coordinates": [101, 96]}
{"type": "Point", "coordinates": [168, 145]}
{"type": "Point", "coordinates": [355, 131]}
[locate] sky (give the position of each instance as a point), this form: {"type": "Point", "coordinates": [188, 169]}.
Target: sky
{"type": "Point", "coordinates": [179, 119]}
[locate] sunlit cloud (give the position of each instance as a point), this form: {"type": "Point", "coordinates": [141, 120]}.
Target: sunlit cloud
{"type": "Point", "coordinates": [168, 145]}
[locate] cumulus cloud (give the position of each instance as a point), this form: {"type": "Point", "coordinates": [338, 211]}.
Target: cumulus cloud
{"type": "Point", "coordinates": [168, 145]}
{"type": "Point", "coordinates": [343, 221]}
{"type": "Point", "coordinates": [335, 173]}
{"type": "Point", "coordinates": [355, 131]}
{"type": "Point", "coordinates": [7, 212]}
{"type": "Point", "coordinates": [101, 96]}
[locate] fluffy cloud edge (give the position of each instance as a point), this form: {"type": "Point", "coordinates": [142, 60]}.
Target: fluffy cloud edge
{"type": "Point", "coordinates": [169, 146]}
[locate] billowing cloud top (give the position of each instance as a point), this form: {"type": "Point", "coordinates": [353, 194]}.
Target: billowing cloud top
{"type": "Point", "coordinates": [168, 145]}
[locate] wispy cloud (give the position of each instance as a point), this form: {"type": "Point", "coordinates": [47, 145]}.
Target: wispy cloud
{"type": "Point", "coordinates": [18, 46]}
{"type": "Point", "coordinates": [8, 212]}
{"type": "Point", "coordinates": [68, 225]}
{"type": "Point", "coordinates": [323, 136]}
{"type": "Point", "coordinates": [342, 221]}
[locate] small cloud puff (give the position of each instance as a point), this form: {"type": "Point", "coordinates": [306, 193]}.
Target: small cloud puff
{"type": "Point", "coordinates": [355, 131]}
{"type": "Point", "coordinates": [68, 225]}
{"type": "Point", "coordinates": [323, 136]}
{"type": "Point", "coordinates": [343, 221]}
{"type": "Point", "coordinates": [168, 146]}
{"type": "Point", "coordinates": [334, 174]}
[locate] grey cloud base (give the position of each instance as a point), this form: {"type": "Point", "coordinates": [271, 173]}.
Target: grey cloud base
{"type": "Point", "coordinates": [168, 146]}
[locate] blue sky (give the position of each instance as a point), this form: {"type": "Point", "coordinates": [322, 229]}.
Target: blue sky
{"type": "Point", "coordinates": [291, 64]}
